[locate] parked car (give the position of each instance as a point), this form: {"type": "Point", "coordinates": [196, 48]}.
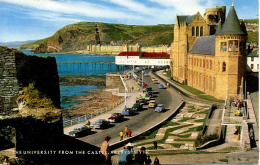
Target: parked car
{"type": "Point", "coordinates": [128, 112]}
{"type": "Point", "coordinates": [160, 108]}
{"type": "Point", "coordinates": [147, 97]}
{"type": "Point", "coordinates": [146, 74]}
{"type": "Point", "coordinates": [137, 107]}
{"type": "Point", "coordinates": [101, 123]}
{"type": "Point", "coordinates": [116, 117]}
{"type": "Point", "coordinates": [142, 101]}
{"type": "Point", "coordinates": [155, 81]}
{"type": "Point", "coordinates": [152, 78]}
{"type": "Point", "coordinates": [150, 93]}
{"type": "Point", "coordinates": [152, 104]}
{"type": "Point", "coordinates": [80, 131]}
{"type": "Point", "coordinates": [145, 85]}
{"type": "Point", "coordinates": [149, 88]}
{"type": "Point", "coordinates": [160, 86]}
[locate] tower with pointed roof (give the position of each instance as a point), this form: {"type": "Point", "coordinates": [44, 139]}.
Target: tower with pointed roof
{"type": "Point", "coordinates": [230, 55]}
{"type": "Point", "coordinates": [214, 64]}
{"type": "Point", "coordinates": [187, 28]}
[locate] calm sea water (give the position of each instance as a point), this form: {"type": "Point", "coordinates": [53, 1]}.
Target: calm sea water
{"type": "Point", "coordinates": [67, 92]}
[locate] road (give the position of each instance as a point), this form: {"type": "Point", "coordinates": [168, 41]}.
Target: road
{"type": "Point", "coordinates": [142, 120]}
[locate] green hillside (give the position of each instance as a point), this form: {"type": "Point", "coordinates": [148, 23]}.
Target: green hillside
{"type": "Point", "coordinates": [77, 36]}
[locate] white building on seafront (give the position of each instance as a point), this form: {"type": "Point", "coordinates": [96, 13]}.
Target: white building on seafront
{"type": "Point", "coordinates": [143, 59]}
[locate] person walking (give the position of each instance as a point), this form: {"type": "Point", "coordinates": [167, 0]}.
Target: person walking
{"type": "Point", "coordinates": [105, 151]}
{"type": "Point", "coordinates": [148, 160]}
{"type": "Point", "coordinates": [126, 131]}
{"type": "Point", "coordinates": [121, 134]}
{"type": "Point", "coordinates": [129, 133]}
{"type": "Point", "coordinates": [155, 145]}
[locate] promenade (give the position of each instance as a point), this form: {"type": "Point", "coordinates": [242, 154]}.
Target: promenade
{"type": "Point", "coordinates": [250, 157]}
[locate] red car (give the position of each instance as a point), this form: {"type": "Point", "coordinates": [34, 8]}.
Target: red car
{"type": "Point", "coordinates": [145, 85]}
{"type": "Point", "coordinates": [116, 117]}
{"type": "Point", "coordinates": [152, 78]}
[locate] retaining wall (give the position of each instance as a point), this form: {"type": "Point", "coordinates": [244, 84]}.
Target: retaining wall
{"type": "Point", "coordinates": [17, 70]}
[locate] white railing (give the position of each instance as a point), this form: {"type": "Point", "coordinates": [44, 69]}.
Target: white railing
{"type": "Point", "coordinates": [76, 120]}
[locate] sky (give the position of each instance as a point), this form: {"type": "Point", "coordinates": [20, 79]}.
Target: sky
{"type": "Point", "coordinates": [22, 20]}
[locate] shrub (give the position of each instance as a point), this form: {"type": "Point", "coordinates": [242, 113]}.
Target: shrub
{"type": "Point", "coordinates": [204, 139]}
{"type": "Point", "coordinates": [34, 99]}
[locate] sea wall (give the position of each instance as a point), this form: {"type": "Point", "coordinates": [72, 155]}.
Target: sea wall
{"type": "Point", "coordinates": [17, 70]}
{"type": "Point", "coordinates": [114, 81]}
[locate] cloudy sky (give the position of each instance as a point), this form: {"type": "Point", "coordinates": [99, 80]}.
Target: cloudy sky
{"type": "Point", "coordinates": [22, 20]}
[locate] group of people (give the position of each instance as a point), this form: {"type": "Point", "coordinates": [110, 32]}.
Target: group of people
{"type": "Point", "coordinates": [128, 133]}
{"type": "Point", "coordinates": [129, 157]}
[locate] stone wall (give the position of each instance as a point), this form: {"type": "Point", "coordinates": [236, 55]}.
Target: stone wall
{"type": "Point", "coordinates": [113, 81]}
{"type": "Point", "coordinates": [17, 70]}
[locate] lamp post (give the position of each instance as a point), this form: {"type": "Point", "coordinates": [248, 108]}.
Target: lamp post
{"type": "Point", "coordinates": [142, 80]}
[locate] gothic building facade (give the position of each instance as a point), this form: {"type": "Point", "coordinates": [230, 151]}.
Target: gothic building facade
{"type": "Point", "coordinates": [214, 64]}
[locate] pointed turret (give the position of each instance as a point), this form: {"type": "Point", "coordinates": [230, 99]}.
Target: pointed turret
{"type": "Point", "coordinates": [243, 27]}
{"type": "Point", "coordinates": [219, 27]}
{"type": "Point", "coordinates": [231, 25]}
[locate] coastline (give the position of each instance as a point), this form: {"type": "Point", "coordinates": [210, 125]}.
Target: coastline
{"type": "Point", "coordinates": [96, 100]}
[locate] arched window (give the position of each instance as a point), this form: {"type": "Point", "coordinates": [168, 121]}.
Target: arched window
{"type": "Point", "coordinates": [201, 31]}
{"type": "Point", "coordinates": [210, 65]}
{"type": "Point", "coordinates": [197, 31]}
{"type": "Point", "coordinates": [193, 31]}
{"type": "Point", "coordinates": [224, 67]}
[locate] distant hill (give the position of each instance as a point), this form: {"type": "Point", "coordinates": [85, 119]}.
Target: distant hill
{"type": "Point", "coordinates": [77, 36]}
{"type": "Point", "coordinates": [15, 44]}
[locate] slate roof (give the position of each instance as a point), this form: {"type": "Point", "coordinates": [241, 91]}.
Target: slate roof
{"type": "Point", "coordinates": [231, 24]}
{"type": "Point", "coordinates": [254, 54]}
{"type": "Point", "coordinates": [204, 45]}
{"type": "Point", "coordinates": [219, 27]}
{"type": "Point", "coordinates": [185, 18]}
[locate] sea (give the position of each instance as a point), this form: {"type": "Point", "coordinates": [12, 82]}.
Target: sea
{"type": "Point", "coordinates": [67, 64]}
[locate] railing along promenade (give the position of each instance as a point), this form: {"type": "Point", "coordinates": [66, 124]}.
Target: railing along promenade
{"type": "Point", "coordinates": [76, 120]}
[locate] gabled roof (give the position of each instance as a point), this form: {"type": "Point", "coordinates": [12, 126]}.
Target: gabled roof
{"type": "Point", "coordinates": [204, 45]}
{"type": "Point", "coordinates": [231, 25]}
{"type": "Point", "coordinates": [254, 54]}
{"type": "Point", "coordinates": [185, 19]}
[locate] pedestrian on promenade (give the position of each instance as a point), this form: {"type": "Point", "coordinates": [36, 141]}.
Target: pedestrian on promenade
{"type": "Point", "coordinates": [156, 161]}
{"type": "Point", "coordinates": [126, 131]}
{"type": "Point", "coordinates": [140, 96]}
{"type": "Point", "coordinates": [121, 134]}
{"type": "Point", "coordinates": [155, 145]}
{"type": "Point", "coordinates": [129, 133]}
{"type": "Point", "coordinates": [132, 88]}
{"type": "Point", "coordinates": [105, 151]}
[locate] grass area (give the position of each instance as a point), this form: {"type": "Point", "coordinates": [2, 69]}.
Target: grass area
{"type": "Point", "coordinates": [200, 120]}
{"type": "Point", "coordinates": [158, 147]}
{"type": "Point", "coordinates": [181, 136]}
{"type": "Point", "coordinates": [191, 107]}
{"type": "Point", "coordinates": [203, 112]}
{"type": "Point", "coordinates": [210, 98]}
{"type": "Point", "coordinates": [185, 119]}
{"type": "Point", "coordinates": [169, 123]}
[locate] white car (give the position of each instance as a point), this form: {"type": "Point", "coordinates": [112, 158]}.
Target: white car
{"type": "Point", "coordinates": [160, 108]}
